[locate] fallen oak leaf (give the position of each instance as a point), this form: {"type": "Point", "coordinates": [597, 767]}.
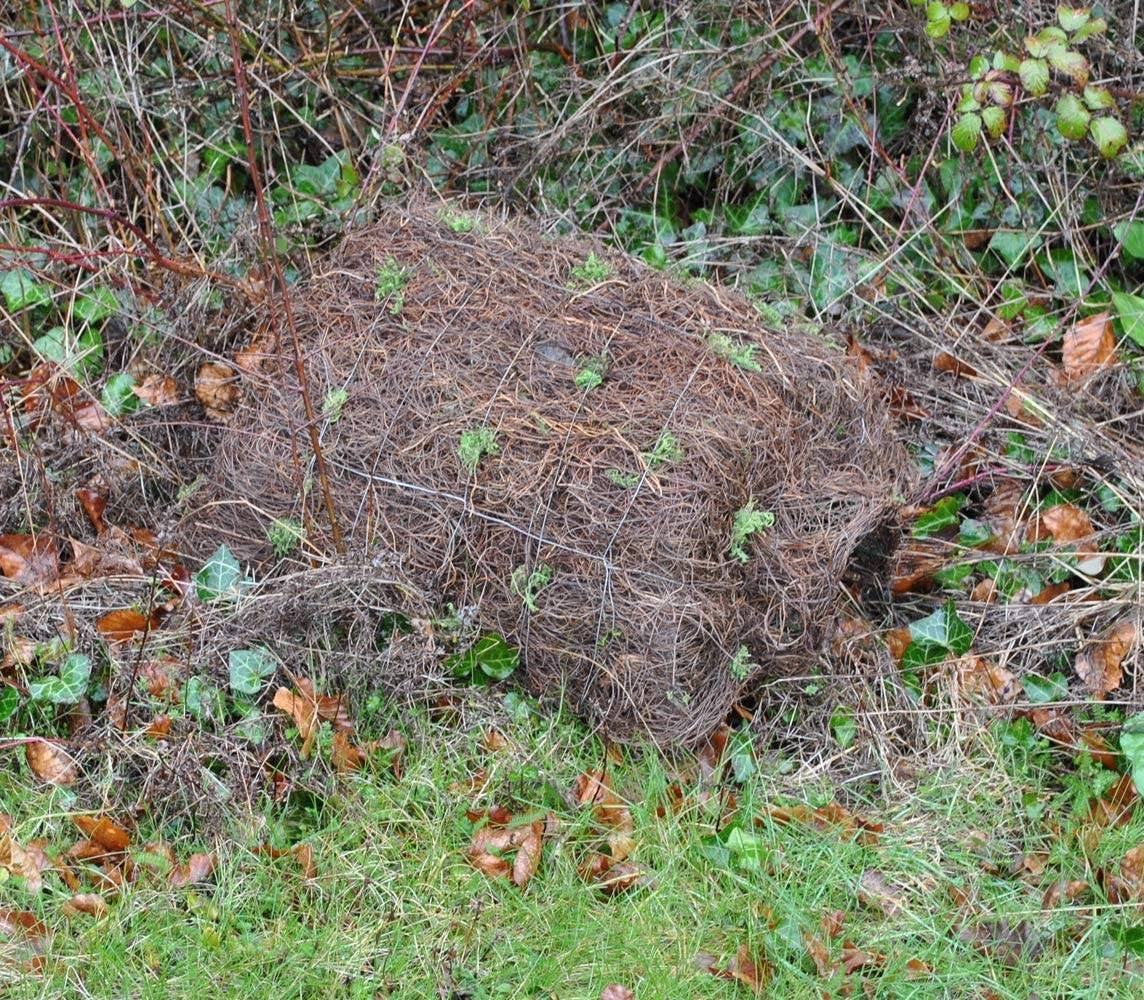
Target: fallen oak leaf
{"type": "Point", "coordinates": [854, 958]}
{"type": "Point", "coordinates": [157, 390]}
{"type": "Point", "coordinates": [879, 893]}
{"type": "Point", "coordinates": [751, 971]}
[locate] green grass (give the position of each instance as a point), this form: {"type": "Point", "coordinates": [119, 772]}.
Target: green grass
{"type": "Point", "coordinates": [395, 908]}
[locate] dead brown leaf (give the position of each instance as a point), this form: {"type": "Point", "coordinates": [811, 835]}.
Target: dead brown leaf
{"type": "Point", "coordinates": [27, 862]}
{"type": "Point", "coordinates": [304, 855]}
{"type": "Point", "coordinates": [1063, 889]}
{"type": "Point", "coordinates": [122, 624]}
{"type": "Point", "coordinates": [831, 923]}
{"type": "Point", "coordinates": [89, 904]}
{"type": "Point", "coordinates": [1100, 663]}
{"type": "Point", "coordinates": [217, 388]}
{"type": "Point", "coordinates": [93, 503]}
{"type": "Point", "coordinates": [157, 390]}
{"type": "Point", "coordinates": [819, 954]}
{"type": "Point", "coordinates": [1088, 347]}
{"type": "Point", "coordinates": [490, 844]}
{"type": "Point", "coordinates": [197, 868]}
{"type": "Point", "coordinates": [946, 363]}
{"type": "Point", "coordinates": [30, 560]}
{"type": "Point", "coordinates": [751, 971]}
{"type": "Point", "coordinates": [614, 991]}
{"type": "Point", "coordinates": [50, 762]}
{"type": "Point", "coordinates": [879, 893]}
{"type": "Point", "coordinates": [915, 564]}
{"type": "Point", "coordinates": [344, 755]}
{"type": "Point", "coordinates": [854, 958]}
{"type": "Point", "coordinates": [303, 708]}
{"type": "Point", "coordinates": [917, 969]}
{"type": "Point", "coordinates": [105, 832]}
{"type": "Point", "coordinates": [985, 681]}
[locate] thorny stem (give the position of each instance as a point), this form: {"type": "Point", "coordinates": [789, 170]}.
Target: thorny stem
{"type": "Point", "coordinates": [271, 257]}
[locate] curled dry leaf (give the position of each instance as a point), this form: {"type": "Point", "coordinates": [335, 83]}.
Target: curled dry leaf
{"type": "Point", "coordinates": [1088, 347]}
{"type": "Point", "coordinates": [216, 387]}
{"type": "Point", "coordinates": [1067, 524]}
{"type": "Point", "coordinates": [123, 624]}
{"type": "Point", "coordinates": [490, 844]}
{"type": "Point", "coordinates": [302, 707]}
{"type": "Point", "coordinates": [1063, 890]}
{"type": "Point", "coordinates": [751, 971]}
{"type": "Point", "coordinates": [93, 503]}
{"type": "Point", "coordinates": [157, 390]}
{"type": "Point", "coordinates": [29, 863]}
{"type": "Point", "coordinates": [831, 923]}
{"type": "Point", "coordinates": [50, 762]}
{"type": "Point", "coordinates": [614, 991]}
{"type": "Point", "coordinates": [104, 832]}
{"type": "Point", "coordinates": [946, 363]}
{"type": "Point", "coordinates": [854, 958]}
{"type": "Point", "coordinates": [198, 868]}
{"type": "Point", "coordinates": [1100, 663]}
{"type": "Point", "coordinates": [915, 564]}
{"type": "Point", "coordinates": [819, 954]}
{"type": "Point", "coordinates": [593, 789]}
{"type": "Point", "coordinates": [29, 935]}
{"type": "Point", "coordinates": [89, 904]}
{"type": "Point", "coordinates": [30, 560]}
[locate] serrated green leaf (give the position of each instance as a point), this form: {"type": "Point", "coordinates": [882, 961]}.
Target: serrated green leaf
{"type": "Point", "coordinates": [1046, 40]}
{"type": "Point", "coordinates": [977, 67]}
{"type": "Point", "coordinates": [1131, 238]}
{"type": "Point", "coordinates": [1098, 98]}
{"type": "Point", "coordinates": [1071, 63]}
{"type": "Point", "coordinates": [1109, 135]}
{"type": "Point", "coordinates": [965, 132]}
{"type": "Point", "coordinates": [994, 120]}
{"type": "Point", "coordinates": [1034, 74]}
{"type": "Point", "coordinates": [1005, 62]}
{"type": "Point", "coordinates": [1073, 18]}
{"type": "Point", "coordinates": [1072, 117]}
{"type": "Point", "coordinates": [938, 20]}
{"type": "Point", "coordinates": [248, 668]}
{"type": "Point", "coordinates": [1097, 26]}
{"type": "Point", "coordinates": [1130, 315]}
{"type": "Point", "coordinates": [1001, 93]}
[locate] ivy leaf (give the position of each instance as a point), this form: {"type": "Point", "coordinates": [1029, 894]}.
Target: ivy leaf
{"type": "Point", "coordinates": [9, 701]}
{"type": "Point", "coordinates": [1132, 746]}
{"type": "Point", "coordinates": [1034, 74]}
{"type": "Point", "coordinates": [1109, 135]}
{"type": "Point", "coordinates": [1073, 18]}
{"type": "Point", "coordinates": [68, 687]}
{"type": "Point", "coordinates": [994, 120]}
{"type": "Point", "coordinates": [1072, 117]}
{"type": "Point", "coordinates": [1098, 98]}
{"type": "Point", "coordinates": [938, 637]}
{"type": "Point", "coordinates": [21, 290]}
{"type": "Point", "coordinates": [966, 131]}
{"type": "Point", "coordinates": [1071, 63]}
{"type": "Point", "coordinates": [1131, 237]}
{"type": "Point", "coordinates": [940, 515]}
{"type": "Point", "coordinates": [1130, 313]}
{"type": "Point", "coordinates": [248, 668]}
{"type": "Point", "coordinates": [221, 576]}
{"type": "Point", "coordinates": [1045, 690]}
{"type": "Point", "coordinates": [117, 397]}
